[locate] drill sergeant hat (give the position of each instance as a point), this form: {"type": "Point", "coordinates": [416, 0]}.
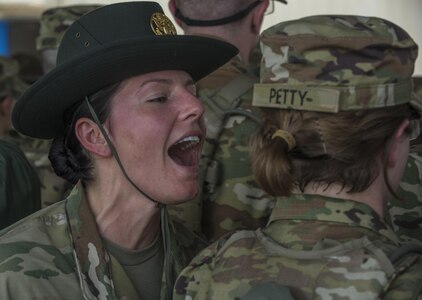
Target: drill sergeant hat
{"type": "Point", "coordinates": [55, 21]}
{"type": "Point", "coordinates": [333, 63]}
{"type": "Point", "coordinates": [10, 83]}
{"type": "Point", "coordinates": [105, 46]}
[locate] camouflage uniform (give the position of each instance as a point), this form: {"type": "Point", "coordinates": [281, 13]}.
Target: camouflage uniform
{"type": "Point", "coordinates": [319, 247]}
{"type": "Point", "coordinates": [230, 198]}
{"type": "Point", "coordinates": [58, 253]}
{"type": "Point", "coordinates": [323, 233]}
{"type": "Point", "coordinates": [235, 202]}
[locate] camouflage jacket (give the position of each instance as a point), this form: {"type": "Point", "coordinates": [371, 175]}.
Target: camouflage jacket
{"type": "Point", "coordinates": [406, 212]}
{"type": "Point", "coordinates": [58, 253]}
{"type": "Point", "coordinates": [230, 198]}
{"type": "Point", "coordinates": [318, 247]}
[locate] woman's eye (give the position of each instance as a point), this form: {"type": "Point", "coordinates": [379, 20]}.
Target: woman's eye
{"type": "Point", "coordinates": [158, 99]}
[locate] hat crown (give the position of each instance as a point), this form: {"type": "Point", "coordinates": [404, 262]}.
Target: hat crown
{"type": "Point", "coordinates": [341, 52]}
{"type": "Point", "coordinates": [108, 24]}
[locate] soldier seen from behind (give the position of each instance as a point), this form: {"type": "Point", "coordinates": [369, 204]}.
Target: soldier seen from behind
{"type": "Point", "coordinates": [338, 114]}
{"type": "Point", "coordinates": [120, 69]}
{"type": "Point", "coordinates": [230, 198]}
{"type": "Point", "coordinates": [20, 188]}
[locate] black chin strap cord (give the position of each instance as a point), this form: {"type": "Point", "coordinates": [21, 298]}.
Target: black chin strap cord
{"type": "Point", "coordinates": [114, 152]}
{"type": "Point", "coordinates": [165, 224]}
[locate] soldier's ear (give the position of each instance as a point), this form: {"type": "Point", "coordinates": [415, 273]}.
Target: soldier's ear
{"type": "Point", "coordinates": [90, 137]}
{"type": "Point", "coordinates": [172, 8]}
{"type": "Point", "coordinates": [399, 142]}
{"type": "Point", "coordinates": [258, 16]}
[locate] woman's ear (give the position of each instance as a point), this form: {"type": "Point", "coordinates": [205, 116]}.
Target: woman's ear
{"type": "Point", "coordinates": [90, 137]}
{"type": "Point", "coordinates": [398, 140]}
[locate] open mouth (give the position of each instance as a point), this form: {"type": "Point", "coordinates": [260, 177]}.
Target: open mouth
{"type": "Point", "coordinates": [185, 152]}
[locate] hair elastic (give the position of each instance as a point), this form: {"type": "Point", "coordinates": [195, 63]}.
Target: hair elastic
{"type": "Point", "coordinates": [286, 136]}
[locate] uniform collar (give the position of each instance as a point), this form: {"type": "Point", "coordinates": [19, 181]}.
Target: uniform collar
{"type": "Point", "coordinates": [91, 257]}
{"type": "Point", "coordinates": [352, 214]}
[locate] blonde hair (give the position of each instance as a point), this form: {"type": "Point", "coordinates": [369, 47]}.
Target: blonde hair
{"type": "Point", "coordinates": [330, 148]}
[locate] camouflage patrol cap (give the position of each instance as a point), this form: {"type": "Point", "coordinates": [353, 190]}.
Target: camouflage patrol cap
{"type": "Point", "coordinates": [55, 21]}
{"type": "Point", "coordinates": [9, 80]}
{"type": "Point", "coordinates": [332, 63]}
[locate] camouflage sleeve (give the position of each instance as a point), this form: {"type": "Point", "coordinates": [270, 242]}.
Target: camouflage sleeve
{"type": "Point", "coordinates": [193, 282]}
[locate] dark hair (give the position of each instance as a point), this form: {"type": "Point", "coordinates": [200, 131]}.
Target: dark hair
{"type": "Point", "coordinates": [68, 158]}
{"type": "Point", "coordinates": [330, 148]}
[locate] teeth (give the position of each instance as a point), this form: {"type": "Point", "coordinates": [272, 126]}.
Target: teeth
{"type": "Point", "coordinates": [188, 141]}
{"type": "Point", "coordinates": [194, 139]}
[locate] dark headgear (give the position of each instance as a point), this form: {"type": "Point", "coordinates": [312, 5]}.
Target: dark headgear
{"type": "Point", "coordinates": [105, 46]}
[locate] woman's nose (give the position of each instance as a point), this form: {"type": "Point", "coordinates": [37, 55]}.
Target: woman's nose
{"type": "Point", "coordinates": [191, 106]}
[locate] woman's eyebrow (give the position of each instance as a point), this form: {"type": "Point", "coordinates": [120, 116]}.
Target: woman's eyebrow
{"type": "Point", "coordinates": [188, 81]}
{"type": "Point", "coordinates": [155, 80]}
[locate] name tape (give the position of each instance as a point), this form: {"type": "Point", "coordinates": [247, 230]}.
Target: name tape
{"type": "Point", "coordinates": [296, 97]}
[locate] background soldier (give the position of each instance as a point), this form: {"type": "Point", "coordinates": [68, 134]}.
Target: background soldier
{"type": "Point", "coordinates": [53, 24]}
{"type": "Point", "coordinates": [19, 184]}
{"type": "Point", "coordinates": [231, 200]}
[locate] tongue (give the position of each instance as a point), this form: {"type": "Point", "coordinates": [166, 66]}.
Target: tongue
{"type": "Point", "coordinates": [186, 157]}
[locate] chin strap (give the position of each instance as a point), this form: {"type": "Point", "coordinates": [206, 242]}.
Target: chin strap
{"type": "Point", "coordinates": [166, 232]}
{"type": "Point", "coordinates": [114, 152]}
{"type": "Point", "coordinates": [165, 224]}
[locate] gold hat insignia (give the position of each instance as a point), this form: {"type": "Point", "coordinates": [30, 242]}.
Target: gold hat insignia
{"type": "Point", "coordinates": [161, 24]}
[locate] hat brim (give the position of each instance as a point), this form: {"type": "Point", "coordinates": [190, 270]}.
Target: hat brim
{"type": "Point", "coordinates": [39, 111]}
